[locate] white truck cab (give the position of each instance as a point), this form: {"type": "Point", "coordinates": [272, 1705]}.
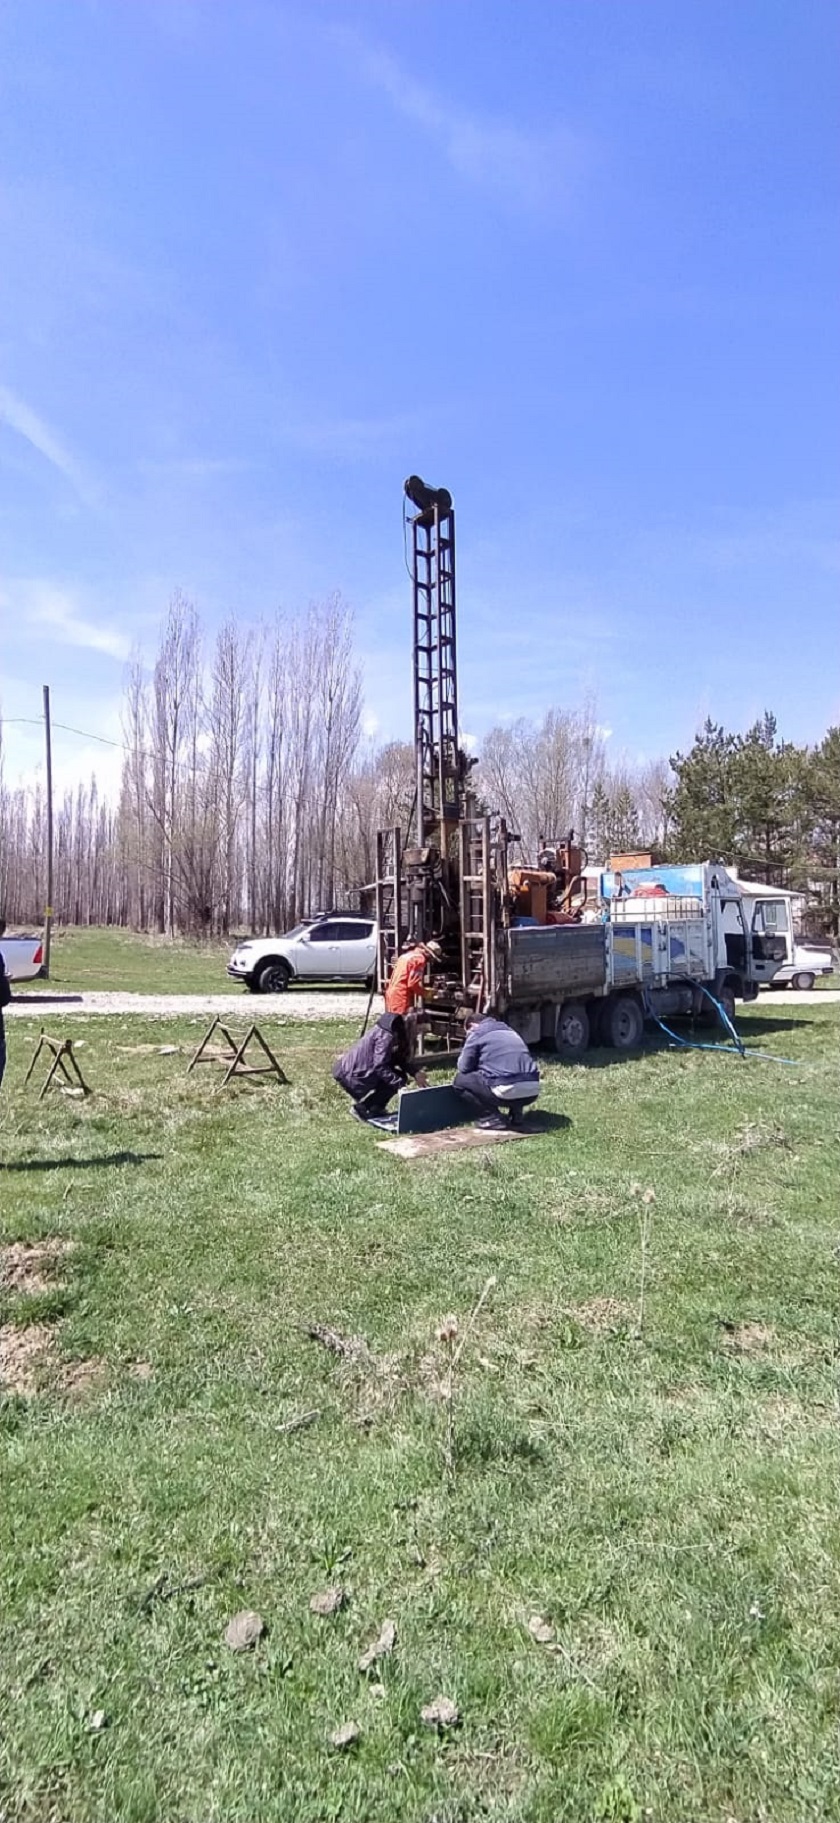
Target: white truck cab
{"type": "Point", "coordinates": [772, 915]}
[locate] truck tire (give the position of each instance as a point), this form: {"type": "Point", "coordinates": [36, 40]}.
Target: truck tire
{"type": "Point", "coordinates": [803, 981]}
{"type": "Point", "coordinates": [571, 1033]}
{"type": "Point", "coordinates": [623, 1022]}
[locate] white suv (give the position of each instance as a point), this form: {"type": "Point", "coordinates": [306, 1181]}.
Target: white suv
{"type": "Point", "coordinates": [341, 947]}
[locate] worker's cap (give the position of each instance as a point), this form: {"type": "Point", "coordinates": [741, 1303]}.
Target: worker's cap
{"type": "Point", "coordinates": [433, 949]}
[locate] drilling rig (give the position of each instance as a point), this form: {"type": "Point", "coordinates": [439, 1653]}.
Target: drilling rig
{"type": "Point", "coordinates": [443, 882]}
{"type": "Point", "coordinates": [511, 937]}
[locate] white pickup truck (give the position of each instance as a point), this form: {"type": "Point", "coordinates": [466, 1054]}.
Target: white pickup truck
{"type": "Point", "coordinates": [22, 956]}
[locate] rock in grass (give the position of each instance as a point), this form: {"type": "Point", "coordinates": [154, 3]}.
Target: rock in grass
{"type": "Point", "coordinates": [540, 1630]}
{"type": "Point", "coordinates": [442, 1713]}
{"type": "Point", "coordinates": [345, 1736]}
{"type": "Point", "coordinates": [380, 1647]}
{"type": "Point", "coordinates": [328, 1602]}
{"type": "Point", "coordinates": [243, 1631]}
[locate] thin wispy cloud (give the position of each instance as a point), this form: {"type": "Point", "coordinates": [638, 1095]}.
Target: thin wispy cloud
{"type": "Point", "coordinates": [47, 611]}
{"type": "Point", "coordinates": [21, 418]}
{"type": "Point", "coordinates": [529, 170]}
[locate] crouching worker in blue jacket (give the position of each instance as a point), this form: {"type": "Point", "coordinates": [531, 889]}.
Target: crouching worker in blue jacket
{"type": "Point", "coordinates": [376, 1066]}
{"type": "Point", "coordinates": [496, 1071]}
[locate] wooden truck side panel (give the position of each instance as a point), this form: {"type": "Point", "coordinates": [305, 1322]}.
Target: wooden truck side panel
{"type": "Point", "coordinates": [555, 962]}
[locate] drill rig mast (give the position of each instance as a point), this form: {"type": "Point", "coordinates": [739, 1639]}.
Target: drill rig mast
{"type": "Point", "coordinates": [440, 765]}
{"type": "Point", "coordinates": [440, 884]}
{"type": "Point", "coordinates": [441, 768]}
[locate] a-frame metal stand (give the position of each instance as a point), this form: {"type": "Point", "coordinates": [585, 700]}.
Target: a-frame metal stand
{"type": "Point", "coordinates": [64, 1060]}
{"type": "Point", "coordinates": [233, 1052]}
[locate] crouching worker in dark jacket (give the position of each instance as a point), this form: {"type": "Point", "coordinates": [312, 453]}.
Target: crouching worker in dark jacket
{"type": "Point", "coordinates": [376, 1066]}
{"type": "Point", "coordinates": [496, 1071]}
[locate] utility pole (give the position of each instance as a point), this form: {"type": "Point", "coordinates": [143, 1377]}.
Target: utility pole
{"type": "Point", "coordinates": [48, 912]}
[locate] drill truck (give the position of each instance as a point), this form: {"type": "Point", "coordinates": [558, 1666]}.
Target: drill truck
{"type": "Point", "coordinates": [526, 942]}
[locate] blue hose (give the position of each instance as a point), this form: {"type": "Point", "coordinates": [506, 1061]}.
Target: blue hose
{"type": "Point", "coordinates": [736, 1049]}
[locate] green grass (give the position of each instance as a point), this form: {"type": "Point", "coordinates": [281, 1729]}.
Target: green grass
{"type": "Point", "coordinates": [667, 1501]}
{"type": "Point", "coordinates": [110, 961]}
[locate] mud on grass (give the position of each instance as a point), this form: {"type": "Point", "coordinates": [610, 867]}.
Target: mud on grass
{"type": "Point", "coordinates": [666, 1502]}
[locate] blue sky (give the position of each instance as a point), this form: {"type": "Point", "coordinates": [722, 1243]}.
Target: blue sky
{"type": "Point", "coordinates": [578, 261]}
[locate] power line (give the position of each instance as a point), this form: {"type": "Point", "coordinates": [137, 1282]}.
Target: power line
{"type": "Point", "coordinates": [35, 721]}
{"type": "Point", "coordinates": [137, 753]}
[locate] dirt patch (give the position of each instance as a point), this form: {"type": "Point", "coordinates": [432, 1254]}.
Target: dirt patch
{"type": "Point", "coordinates": [432, 1378]}
{"type": "Point", "coordinates": [78, 1379]}
{"type": "Point", "coordinates": [749, 1215]}
{"type": "Point", "coordinates": [141, 1370]}
{"type": "Point", "coordinates": [498, 1771]}
{"type": "Point", "coordinates": [27, 1267]}
{"type": "Point", "coordinates": [747, 1338]}
{"type": "Point", "coordinates": [24, 1357]}
{"type": "Point", "coordinates": [753, 1136]}
{"type": "Point", "coordinates": [602, 1316]}
{"type": "Point", "coordinates": [778, 1417]}
{"type": "Point", "coordinates": [597, 1644]}
{"type": "Point", "coordinates": [374, 1381]}
{"type": "Point", "coordinates": [588, 1206]}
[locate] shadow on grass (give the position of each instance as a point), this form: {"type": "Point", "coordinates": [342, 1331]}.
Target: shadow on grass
{"type": "Point", "coordinates": [479, 1444]}
{"type": "Point", "coordinates": [603, 1057]}
{"type": "Point", "coordinates": [758, 1023]}
{"type": "Point", "coordinates": [82, 1164]}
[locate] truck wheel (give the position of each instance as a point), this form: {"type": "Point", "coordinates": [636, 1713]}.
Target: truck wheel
{"type": "Point", "coordinates": [273, 977]}
{"type": "Point", "coordinates": [803, 982]}
{"type": "Point", "coordinates": [623, 1023]}
{"type": "Point", "coordinates": [571, 1035]}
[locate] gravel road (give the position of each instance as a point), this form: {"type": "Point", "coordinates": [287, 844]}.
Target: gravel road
{"type": "Point", "coordinates": [295, 1005]}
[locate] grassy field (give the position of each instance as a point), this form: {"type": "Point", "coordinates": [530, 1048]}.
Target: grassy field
{"type": "Point", "coordinates": [110, 961]}
{"type": "Point", "coordinates": [616, 1550]}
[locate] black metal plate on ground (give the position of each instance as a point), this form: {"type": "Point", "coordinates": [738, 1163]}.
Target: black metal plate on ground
{"type": "Point", "coordinates": [431, 1110]}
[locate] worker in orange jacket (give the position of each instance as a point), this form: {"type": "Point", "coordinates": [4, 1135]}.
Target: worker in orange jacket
{"type": "Point", "coordinates": [406, 982]}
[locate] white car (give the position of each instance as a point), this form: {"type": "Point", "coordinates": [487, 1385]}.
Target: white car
{"type": "Point", "coordinates": [807, 962]}
{"type": "Point", "coordinates": [23, 957]}
{"type": "Point", "coordinates": [340, 947]}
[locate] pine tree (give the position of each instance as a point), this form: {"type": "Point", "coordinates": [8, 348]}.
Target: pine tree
{"type": "Point", "coordinates": [702, 811]}
{"type": "Point", "coordinates": [762, 785]}
{"type": "Point", "coordinates": [823, 795]}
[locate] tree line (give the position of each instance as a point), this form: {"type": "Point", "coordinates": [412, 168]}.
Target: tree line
{"type": "Point", "coordinates": [249, 797]}
{"type": "Point", "coordinates": [766, 805]}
